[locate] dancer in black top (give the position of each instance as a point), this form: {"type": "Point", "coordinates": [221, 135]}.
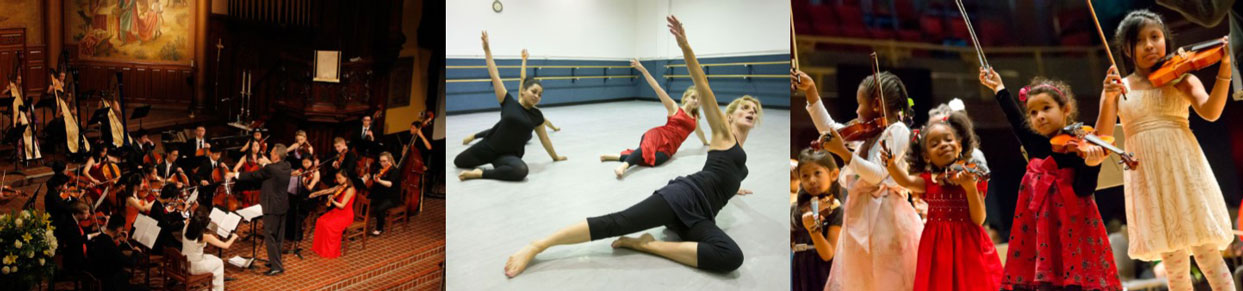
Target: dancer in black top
{"type": "Point", "coordinates": [688, 205]}
{"type": "Point", "coordinates": [504, 145]}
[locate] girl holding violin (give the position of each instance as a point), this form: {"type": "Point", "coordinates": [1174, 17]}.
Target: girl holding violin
{"type": "Point", "coordinates": [1056, 221]}
{"type": "Point", "coordinates": [301, 147]}
{"type": "Point", "coordinates": [328, 227]}
{"type": "Point", "coordinates": [135, 198]}
{"type": "Point", "coordinates": [1175, 177]}
{"type": "Point", "coordinates": [815, 220]}
{"type": "Point", "coordinates": [953, 246]}
{"type": "Point", "coordinates": [881, 228]}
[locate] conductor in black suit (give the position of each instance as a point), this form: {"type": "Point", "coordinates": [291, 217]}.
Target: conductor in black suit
{"type": "Point", "coordinates": [275, 202]}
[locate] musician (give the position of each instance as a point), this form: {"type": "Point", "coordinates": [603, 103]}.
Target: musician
{"type": "Point", "coordinates": [383, 192]}
{"type": "Point", "coordinates": [134, 196]}
{"type": "Point", "coordinates": [95, 165]}
{"type": "Point", "coordinates": [190, 153]}
{"type": "Point", "coordinates": [107, 262]}
{"type": "Point", "coordinates": [194, 238]}
{"type": "Point", "coordinates": [203, 175]}
{"type": "Point", "coordinates": [169, 171]}
{"type": "Point", "coordinates": [301, 148]}
{"type": "Point", "coordinates": [167, 214]}
{"type": "Point", "coordinates": [250, 163]}
{"type": "Point", "coordinates": [365, 137]}
{"type": "Point", "coordinates": [299, 204]}
{"type": "Point", "coordinates": [412, 165]}
{"type": "Point", "coordinates": [345, 160]}
{"type": "Point", "coordinates": [52, 202]}
{"type": "Point", "coordinates": [256, 141]}
{"type": "Point", "coordinates": [274, 200]}
{"type": "Point", "coordinates": [71, 238]}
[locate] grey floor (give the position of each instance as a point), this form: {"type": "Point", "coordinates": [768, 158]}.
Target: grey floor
{"type": "Point", "coordinates": [488, 220]}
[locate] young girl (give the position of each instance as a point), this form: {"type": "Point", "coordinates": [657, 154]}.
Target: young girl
{"type": "Point", "coordinates": [881, 229]}
{"type": "Point", "coordinates": [1173, 204]}
{"type": "Point", "coordinates": [954, 252]}
{"type": "Point", "coordinates": [814, 226]}
{"type": "Point", "coordinates": [659, 144]}
{"type": "Point", "coordinates": [1057, 241]}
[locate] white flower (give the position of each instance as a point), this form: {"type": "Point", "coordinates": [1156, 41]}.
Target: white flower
{"type": "Point", "coordinates": [25, 213]}
{"type": "Point", "coordinates": [18, 222]}
{"type": "Point", "coordinates": [40, 261]}
{"type": "Point", "coordinates": [17, 244]}
{"type": "Point", "coordinates": [14, 269]}
{"type": "Point", "coordinates": [5, 269]}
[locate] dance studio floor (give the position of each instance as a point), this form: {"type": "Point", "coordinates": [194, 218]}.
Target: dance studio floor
{"type": "Point", "coordinates": [488, 220]}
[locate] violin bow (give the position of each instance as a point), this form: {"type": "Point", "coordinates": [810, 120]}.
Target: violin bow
{"type": "Point", "coordinates": [1104, 40]}
{"type": "Point", "coordinates": [979, 51]}
{"type": "Point", "coordinates": [884, 111]}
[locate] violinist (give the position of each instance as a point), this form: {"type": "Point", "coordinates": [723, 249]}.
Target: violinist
{"type": "Point", "coordinates": [135, 198]}
{"type": "Point", "coordinates": [52, 202]}
{"type": "Point", "coordinates": [1175, 176]}
{"type": "Point", "coordinates": [301, 147]}
{"type": "Point", "coordinates": [169, 171]}
{"type": "Point", "coordinates": [815, 220]}
{"type": "Point", "coordinates": [167, 212]}
{"type": "Point", "coordinates": [343, 159]}
{"type": "Point", "coordinates": [194, 151]}
{"type": "Point", "coordinates": [107, 261]}
{"type": "Point", "coordinates": [257, 141]}
{"type": "Point", "coordinates": [71, 237]}
{"type": "Point", "coordinates": [882, 98]}
{"type": "Point", "coordinates": [250, 163]}
{"type": "Point", "coordinates": [299, 204]}
{"type": "Point", "coordinates": [383, 192]}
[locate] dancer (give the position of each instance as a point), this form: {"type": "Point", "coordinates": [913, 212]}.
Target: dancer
{"type": "Point", "coordinates": [1174, 206]}
{"type": "Point", "coordinates": [688, 205]}
{"type": "Point", "coordinates": [815, 226]}
{"type": "Point", "coordinates": [504, 147]}
{"type": "Point", "coordinates": [658, 144]}
{"type": "Point", "coordinates": [881, 230]}
{"type": "Point", "coordinates": [954, 251]}
{"type": "Point", "coordinates": [1057, 241]}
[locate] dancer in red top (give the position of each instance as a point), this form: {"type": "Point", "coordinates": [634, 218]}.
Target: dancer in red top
{"type": "Point", "coordinates": [660, 143]}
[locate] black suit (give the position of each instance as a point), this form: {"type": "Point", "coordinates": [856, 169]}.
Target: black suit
{"type": "Point", "coordinates": [204, 174]}
{"type": "Point", "coordinates": [71, 241]}
{"type": "Point", "coordinates": [274, 199]}
{"type": "Point", "coordinates": [166, 170]}
{"type": "Point", "coordinates": [350, 164]}
{"type": "Point", "coordinates": [107, 261]}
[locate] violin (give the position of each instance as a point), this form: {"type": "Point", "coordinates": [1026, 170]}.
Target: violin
{"type": "Point", "coordinates": [1075, 134]}
{"type": "Point", "coordinates": [857, 130]}
{"type": "Point", "coordinates": [1172, 67]}
{"type": "Point", "coordinates": [372, 179]}
{"type": "Point", "coordinates": [340, 190]}
{"type": "Point", "coordinates": [962, 166]}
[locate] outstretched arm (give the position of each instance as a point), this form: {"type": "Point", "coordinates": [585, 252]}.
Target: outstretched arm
{"type": "Point", "coordinates": [497, 85]}
{"type": "Point", "coordinates": [904, 179]}
{"type": "Point", "coordinates": [712, 111]}
{"type": "Point", "coordinates": [670, 106]}
{"type": "Point", "coordinates": [522, 76]}
{"type": "Point", "coordinates": [544, 140]}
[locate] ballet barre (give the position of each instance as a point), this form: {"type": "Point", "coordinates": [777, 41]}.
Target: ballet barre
{"type": "Point", "coordinates": [745, 64]}
{"type": "Point", "coordinates": [540, 67]}
{"type": "Point", "coordinates": [736, 76]}
{"type": "Point", "coordinates": [547, 78]}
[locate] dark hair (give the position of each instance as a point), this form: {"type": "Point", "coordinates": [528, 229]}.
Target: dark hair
{"type": "Point", "coordinates": [1059, 90]}
{"type": "Point", "coordinates": [169, 191]}
{"type": "Point", "coordinates": [116, 221]}
{"type": "Point", "coordinates": [58, 167]}
{"type": "Point", "coordinates": [894, 92]}
{"type": "Point", "coordinates": [820, 158]}
{"type": "Point", "coordinates": [962, 127]}
{"type": "Point", "coordinates": [198, 223]}
{"type": "Point", "coordinates": [349, 181]}
{"type": "Point", "coordinates": [1127, 34]}
{"type": "Point", "coordinates": [530, 81]}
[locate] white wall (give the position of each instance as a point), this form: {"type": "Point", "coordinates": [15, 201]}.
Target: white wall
{"type": "Point", "coordinates": [557, 29]}
{"type": "Point", "coordinates": [714, 27]}
{"type": "Point", "coordinates": [616, 29]}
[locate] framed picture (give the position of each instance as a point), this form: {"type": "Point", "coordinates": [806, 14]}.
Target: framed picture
{"type": "Point", "coordinates": [327, 66]}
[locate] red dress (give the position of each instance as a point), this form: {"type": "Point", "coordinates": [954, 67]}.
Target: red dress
{"type": "Point", "coordinates": [328, 229]}
{"type": "Point", "coordinates": [250, 196]}
{"type": "Point", "coordinates": [665, 138]}
{"type": "Point", "coordinates": [954, 253]}
{"type": "Point", "coordinates": [1057, 239]}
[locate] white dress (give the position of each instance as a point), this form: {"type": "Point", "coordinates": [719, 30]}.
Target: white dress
{"type": "Point", "coordinates": [202, 263]}
{"type": "Point", "coordinates": [879, 243]}
{"type": "Point", "coordinates": [1173, 201]}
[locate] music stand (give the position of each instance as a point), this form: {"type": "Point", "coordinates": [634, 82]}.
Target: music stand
{"type": "Point", "coordinates": [99, 116]}
{"type": "Point", "coordinates": [140, 113]}
{"type": "Point", "coordinates": [10, 137]}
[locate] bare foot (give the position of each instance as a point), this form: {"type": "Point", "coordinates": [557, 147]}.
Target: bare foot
{"type": "Point", "coordinates": [470, 174]}
{"type": "Point", "coordinates": [604, 158]}
{"type": "Point", "coordinates": [621, 170]}
{"type": "Point", "coordinates": [468, 139]}
{"type": "Point", "coordinates": [633, 243]}
{"type": "Point", "coordinates": [518, 261]}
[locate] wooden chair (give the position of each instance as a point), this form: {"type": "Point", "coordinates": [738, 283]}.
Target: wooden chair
{"type": "Point", "coordinates": [397, 213]}
{"type": "Point", "coordinates": [358, 229]}
{"type": "Point", "coordinates": [178, 268]}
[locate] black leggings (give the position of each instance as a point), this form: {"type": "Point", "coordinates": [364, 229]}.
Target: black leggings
{"type": "Point", "coordinates": [483, 134]}
{"type": "Point", "coordinates": [635, 158]}
{"type": "Point", "coordinates": [716, 252]}
{"type": "Point", "coordinates": [506, 167]}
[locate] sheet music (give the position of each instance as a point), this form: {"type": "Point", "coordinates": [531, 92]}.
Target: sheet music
{"type": "Point", "coordinates": [249, 213]}
{"type": "Point", "coordinates": [146, 230]}
{"type": "Point", "coordinates": [240, 262]}
{"type": "Point", "coordinates": [194, 196]}
{"type": "Point", "coordinates": [225, 222]}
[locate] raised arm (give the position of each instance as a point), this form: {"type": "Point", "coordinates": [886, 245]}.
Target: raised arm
{"type": "Point", "coordinates": [670, 106]}
{"type": "Point", "coordinates": [1209, 105]}
{"type": "Point", "coordinates": [522, 75]}
{"type": "Point", "coordinates": [497, 85]}
{"type": "Point", "coordinates": [819, 115]}
{"type": "Point", "coordinates": [544, 140]}
{"type": "Point", "coordinates": [1109, 102]}
{"type": "Point", "coordinates": [712, 110]}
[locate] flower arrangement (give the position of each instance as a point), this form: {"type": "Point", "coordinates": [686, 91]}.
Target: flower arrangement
{"type": "Point", "coordinates": [27, 247]}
